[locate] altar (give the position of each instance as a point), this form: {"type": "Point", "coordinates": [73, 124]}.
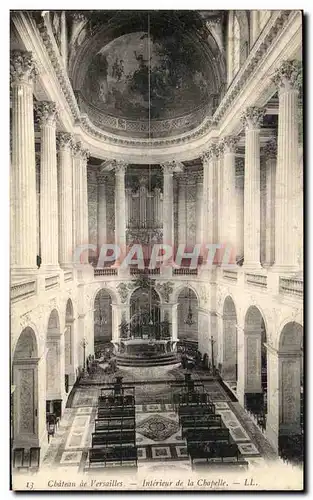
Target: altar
{"type": "Point", "coordinates": [146, 347]}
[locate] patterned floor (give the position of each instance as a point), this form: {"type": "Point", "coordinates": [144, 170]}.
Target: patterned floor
{"type": "Point", "coordinates": [158, 434]}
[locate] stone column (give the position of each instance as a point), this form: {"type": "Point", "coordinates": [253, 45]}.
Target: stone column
{"type": "Point", "coordinates": [81, 203]}
{"type": "Point", "coordinates": [65, 192]}
{"type": "Point", "coordinates": [182, 222]}
{"type": "Point", "coordinates": [252, 120]}
{"type": "Point", "coordinates": [23, 167]}
{"type": "Point", "coordinates": [157, 207]}
{"type": "Point", "coordinates": [240, 205]}
{"type": "Point", "coordinates": [270, 151]}
{"type": "Point", "coordinates": [49, 218]}
{"type": "Point", "coordinates": [229, 194]}
{"type": "Point", "coordinates": [199, 209]}
{"type": "Point", "coordinates": [229, 358]}
{"type": "Point", "coordinates": [210, 194]}
{"type": "Point", "coordinates": [168, 212]}
{"type": "Point", "coordinates": [120, 205]}
{"type": "Point", "coordinates": [102, 212]}
{"type": "Point", "coordinates": [287, 79]}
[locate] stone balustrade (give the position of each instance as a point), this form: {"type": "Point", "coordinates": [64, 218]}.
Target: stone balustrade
{"type": "Point", "coordinates": [185, 271]}
{"type": "Point", "coordinates": [105, 272]}
{"type": "Point", "coordinates": [138, 272]}
{"type": "Point", "coordinates": [291, 286]}
{"type": "Point", "coordinates": [254, 279]}
{"type": "Point", "coordinates": [52, 282]}
{"type": "Point", "coordinates": [230, 274]}
{"type": "Point", "coordinates": [68, 276]}
{"type": "Point", "coordinates": [23, 290]}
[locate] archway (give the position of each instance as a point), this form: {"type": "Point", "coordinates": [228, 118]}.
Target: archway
{"type": "Point", "coordinates": [55, 377]}
{"type": "Point", "coordinates": [69, 347]}
{"type": "Point", "coordinates": [103, 323]}
{"type": "Point", "coordinates": [187, 314]}
{"type": "Point", "coordinates": [291, 392]}
{"type": "Point", "coordinates": [229, 346]}
{"type": "Point", "coordinates": [24, 408]}
{"type": "Point", "coordinates": [145, 317]}
{"type": "Point", "coordinates": [255, 364]}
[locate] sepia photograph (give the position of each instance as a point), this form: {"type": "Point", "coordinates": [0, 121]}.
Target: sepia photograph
{"type": "Point", "coordinates": [156, 250]}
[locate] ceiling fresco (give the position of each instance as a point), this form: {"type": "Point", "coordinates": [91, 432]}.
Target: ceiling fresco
{"type": "Point", "coordinates": [142, 77]}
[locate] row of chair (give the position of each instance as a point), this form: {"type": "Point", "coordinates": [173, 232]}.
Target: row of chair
{"type": "Point", "coordinates": [26, 458]}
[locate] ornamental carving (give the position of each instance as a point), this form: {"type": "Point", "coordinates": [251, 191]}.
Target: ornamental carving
{"type": "Point", "coordinates": [122, 289]}
{"type": "Point", "coordinates": [22, 67]}
{"type": "Point", "coordinates": [230, 144]}
{"type": "Point", "coordinates": [80, 152]}
{"type": "Point", "coordinates": [252, 118]}
{"type": "Point", "coordinates": [64, 140]}
{"type": "Point", "coordinates": [211, 153]}
{"type": "Point", "coordinates": [166, 289]}
{"type": "Point", "coordinates": [204, 295]}
{"type": "Point", "coordinates": [289, 75]}
{"type": "Point", "coordinates": [46, 112]}
{"type": "Point", "coordinates": [270, 149]}
{"type": "Point", "coordinates": [169, 167]}
{"type": "Point", "coordinates": [144, 236]}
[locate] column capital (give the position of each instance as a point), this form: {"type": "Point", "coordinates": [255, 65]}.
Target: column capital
{"type": "Point", "coordinates": [229, 144]}
{"type": "Point", "coordinates": [169, 167]}
{"type": "Point", "coordinates": [22, 67]}
{"type": "Point", "coordinates": [252, 117]}
{"type": "Point", "coordinates": [64, 141]}
{"type": "Point", "coordinates": [199, 177]}
{"type": "Point", "coordinates": [120, 167]}
{"type": "Point", "coordinates": [102, 178]}
{"type": "Point", "coordinates": [47, 112]}
{"type": "Point", "coordinates": [270, 149]}
{"type": "Point", "coordinates": [288, 76]}
{"type": "Point", "coordinates": [79, 151]}
{"type": "Point", "coordinates": [212, 153]}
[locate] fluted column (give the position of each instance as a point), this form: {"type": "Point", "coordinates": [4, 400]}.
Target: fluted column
{"type": "Point", "coordinates": [210, 193]}
{"type": "Point", "coordinates": [81, 202]}
{"type": "Point", "coordinates": [287, 79]}
{"type": "Point", "coordinates": [120, 205]}
{"type": "Point", "coordinates": [65, 192]}
{"type": "Point", "coordinates": [102, 211]}
{"type": "Point", "coordinates": [182, 222]}
{"type": "Point", "coordinates": [199, 208]}
{"type": "Point", "coordinates": [168, 212]}
{"type": "Point", "coordinates": [229, 193]}
{"type": "Point", "coordinates": [23, 167]}
{"type": "Point", "coordinates": [252, 120]}
{"type": "Point", "coordinates": [49, 219]}
{"type": "Point", "coordinates": [270, 151]}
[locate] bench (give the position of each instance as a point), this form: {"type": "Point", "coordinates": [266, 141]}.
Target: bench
{"type": "Point", "coordinates": [102, 439]}
{"type": "Point", "coordinates": [196, 410]}
{"type": "Point", "coordinates": [115, 424]}
{"type": "Point", "coordinates": [105, 401]}
{"type": "Point", "coordinates": [206, 436]}
{"type": "Point", "coordinates": [199, 420]}
{"type": "Point", "coordinates": [116, 412]}
{"type": "Point", "coordinates": [115, 454]}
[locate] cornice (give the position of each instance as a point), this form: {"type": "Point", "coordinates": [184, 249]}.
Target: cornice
{"type": "Point", "coordinates": [257, 54]}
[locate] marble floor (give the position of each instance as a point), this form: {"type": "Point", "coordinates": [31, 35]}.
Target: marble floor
{"type": "Point", "coordinates": [158, 434]}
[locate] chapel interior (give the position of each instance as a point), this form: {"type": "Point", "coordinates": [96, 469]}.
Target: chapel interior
{"type": "Point", "coordinates": [128, 130]}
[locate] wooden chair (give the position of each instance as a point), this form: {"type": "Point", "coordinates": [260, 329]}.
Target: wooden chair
{"type": "Point", "coordinates": [34, 460]}
{"type": "Point", "coordinates": [18, 457]}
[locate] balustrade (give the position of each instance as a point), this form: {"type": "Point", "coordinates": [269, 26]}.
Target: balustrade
{"type": "Point", "coordinates": [291, 286]}
{"type": "Point", "coordinates": [185, 272]}
{"type": "Point", "coordinates": [259, 280]}
{"type": "Point", "coordinates": [24, 290]}
{"type": "Point", "coordinates": [105, 272]}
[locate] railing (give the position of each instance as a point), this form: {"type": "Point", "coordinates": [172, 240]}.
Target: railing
{"type": "Point", "coordinates": [68, 276]}
{"type": "Point", "coordinates": [291, 286]}
{"type": "Point", "coordinates": [22, 291]}
{"type": "Point", "coordinates": [135, 271]}
{"type": "Point", "coordinates": [105, 272]}
{"type": "Point", "coordinates": [230, 274]}
{"type": "Point", "coordinates": [52, 282]}
{"type": "Point", "coordinates": [185, 271]}
{"type": "Point", "coordinates": [259, 280]}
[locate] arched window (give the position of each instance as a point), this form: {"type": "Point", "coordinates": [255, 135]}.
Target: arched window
{"type": "Point", "coordinates": [236, 46]}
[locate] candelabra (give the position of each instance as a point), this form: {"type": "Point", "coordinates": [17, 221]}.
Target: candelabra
{"type": "Point", "coordinates": [84, 343]}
